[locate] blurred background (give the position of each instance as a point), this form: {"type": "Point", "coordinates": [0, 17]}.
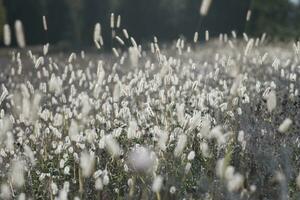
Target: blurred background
{"type": "Point", "coordinates": [71, 22]}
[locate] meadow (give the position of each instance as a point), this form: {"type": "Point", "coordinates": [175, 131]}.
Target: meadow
{"type": "Point", "coordinates": [215, 119]}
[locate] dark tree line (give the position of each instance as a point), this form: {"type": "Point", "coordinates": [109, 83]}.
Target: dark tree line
{"type": "Point", "coordinates": [71, 22]}
{"type": "Point", "coordinates": [279, 18]}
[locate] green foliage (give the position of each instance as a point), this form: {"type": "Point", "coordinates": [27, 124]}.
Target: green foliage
{"type": "Point", "coordinates": [277, 18]}
{"type": "Point", "coordinates": [2, 18]}
{"type": "Point", "coordinates": [72, 21]}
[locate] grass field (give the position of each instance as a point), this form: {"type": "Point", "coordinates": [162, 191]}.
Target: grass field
{"type": "Point", "coordinates": [206, 120]}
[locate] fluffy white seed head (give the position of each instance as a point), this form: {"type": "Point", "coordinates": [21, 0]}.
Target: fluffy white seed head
{"type": "Point", "coordinates": [98, 184]}
{"type": "Point", "coordinates": [20, 34]}
{"type": "Point", "coordinates": [235, 183]}
{"type": "Point", "coordinates": [55, 85]}
{"type": "Point", "coordinates": [97, 35]}
{"type": "Point", "coordinates": [172, 189]}
{"type": "Point", "coordinates": [133, 42]}
{"type": "Point", "coordinates": [120, 40]}
{"type": "Point", "coordinates": [112, 146]}
{"type": "Point", "coordinates": [271, 101]}
{"type": "Point", "coordinates": [181, 143]}
{"type": "Point", "coordinates": [157, 183]}
{"type": "Point", "coordinates": [74, 131]}
{"type": "Point", "coordinates": [126, 35]}
{"type": "Point", "coordinates": [229, 172]}
{"type": "Point", "coordinates": [220, 168]}
{"type": "Point", "coordinates": [6, 35]}
{"type": "Point", "coordinates": [280, 177]}
{"type": "Point", "coordinates": [236, 85]}
{"type": "Point", "coordinates": [54, 188]}
{"type": "Point", "coordinates": [195, 121]}
{"type": "Point", "coordinates": [4, 94]}
{"type": "Point", "coordinates": [45, 49]}
{"type": "Point", "coordinates": [29, 153]}
{"type": "Point", "coordinates": [87, 162]}
{"type": "Point", "coordinates": [248, 17]}
{"type": "Point", "coordinates": [119, 21]}
{"type": "Point", "coordinates": [67, 170]}
{"type": "Point", "coordinates": [196, 35]}
{"type": "Point", "coordinates": [17, 174]}
{"type": "Point", "coordinates": [132, 131]}
{"type": "Point", "coordinates": [112, 20]}
{"type": "Point", "coordinates": [39, 62]}
{"type": "Point", "coordinates": [298, 180]}
{"type": "Point", "coordinates": [180, 113]}
{"type": "Point", "coordinates": [45, 26]}
{"type": "Point", "coordinates": [22, 196]}
{"type": "Point", "coordinates": [162, 139]}
{"type": "Point", "coordinates": [285, 125]}
{"type": "Point", "coordinates": [204, 149]}
{"type": "Point", "coordinates": [86, 107]}
{"type": "Point", "coordinates": [116, 53]}
{"type": "Point", "coordinates": [187, 168]}
{"type": "Point", "coordinates": [249, 47]}
{"type": "Point", "coordinates": [217, 134]}
{"type": "Point", "coordinates": [206, 35]}
{"type": "Point", "coordinates": [205, 127]}
{"type": "Point", "coordinates": [5, 192]}
{"type": "Point", "coordinates": [105, 179]}
{"type": "Point", "coordinates": [141, 159]}
{"type": "Point", "coordinates": [134, 56]}
{"type": "Point", "coordinates": [253, 188]}
{"type": "Point", "coordinates": [130, 182]}
{"type": "Point", "coordinates": [117, 93]}
{"type": "Point", "coordinates": [205, 5]}
{"type": "Point", "coordinates": [191, 155]}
